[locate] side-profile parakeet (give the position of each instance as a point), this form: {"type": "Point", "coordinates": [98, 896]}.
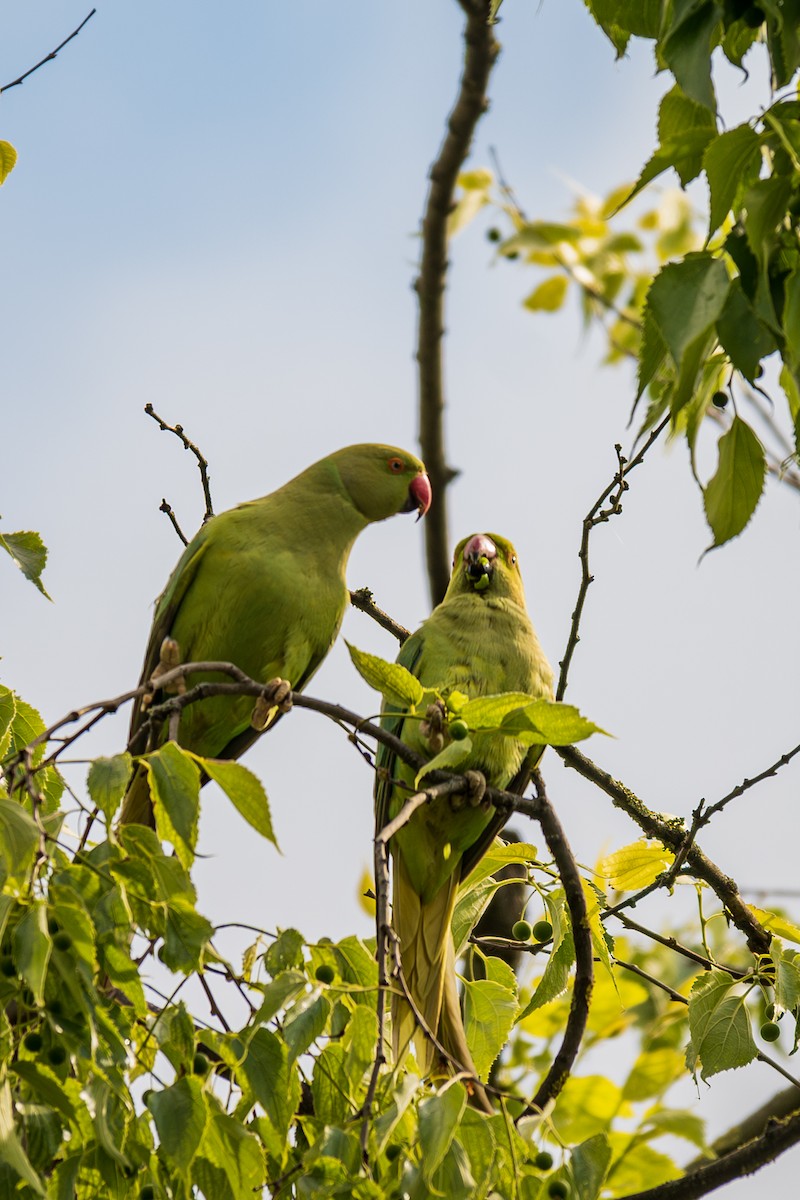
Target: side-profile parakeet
{"type": "Point", "coordinates": [478, 641]}
{"type": "Point", "coordinates": [263, 586]}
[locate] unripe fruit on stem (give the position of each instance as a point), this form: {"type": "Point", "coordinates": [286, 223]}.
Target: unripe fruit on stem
{"type": "Point", "coordinates": [521, 931]}
{"type": "Point", "coordinates": [719, 399]}
{"type": "Point", "coordinates": [199, 1064]}
{"type": "Point", "coordinates": [770, 1032]}
{"type": "Point", "coordinates": [62, 941]}
{"type": "Point", "coordinates": [57, 1055]}
{"type": "Point", "coordinates": [543, 1160]}
{"type": "Point", "coordinates": [325, 973]}
{"type": "Point", "coordinates": [458, 730]}
{"type": "Point", "coordinates": [558, 1189]}
{"type": "Point", "coordinates": [33, 1042]}
{"type": "Point", "coordinates": [543, 931]}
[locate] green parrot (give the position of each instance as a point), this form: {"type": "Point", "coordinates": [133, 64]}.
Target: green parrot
{"type": "Point", "coordinates": [263, 586]}
{"type": "Point", "coordinates": [478, 641]}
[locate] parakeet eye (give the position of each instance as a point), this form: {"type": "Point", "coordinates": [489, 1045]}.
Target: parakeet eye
{"type": "Point", "coordinates": [396, 465]}
{"type": "Point", "coordinates": [513, 560]}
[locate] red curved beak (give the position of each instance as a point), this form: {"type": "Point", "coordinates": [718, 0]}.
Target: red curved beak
{"type": "Point", "coordinates": [420, 494]}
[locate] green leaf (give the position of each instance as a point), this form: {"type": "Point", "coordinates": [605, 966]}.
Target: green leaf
{"type": "Point", "coordinates": [471, 902]}
{"type": "Point", "coordinates": [360, 1040]}
{"type": "Point", "coordinates": [27, 549]}
{"type": "Point", "coordinates": [181, 1118]}
{"type": "Point", "coordinates": [776, 924]}
{"type": "Point", "coordinates": [687, 49]}
{"type": "Point", "coordinates": [787, 977]}
{"type": "Point", "coordinates": [791, 318]}
{"type": "Point", "coordinates": [489, 1013]}
{"type": "Point", "coordinates": [32, 948]}
{"type": "Point", "coordinates": [107, 781]}
{"type": "Point", "coordinates": [237, 1157]}
{"type": "Point", "coordinates": [304, 1023]}
{"type": "Point", "coordinates": [635, 866]}
{"type": "Point", "coordinates": [638, 1167]}
{"type": "Point", "coordinates": [11, 1152]}
{"type": "Point", "coordinates": [743, 336]}
{"type": "Point", "coordinates": [679, 1123]}
{"type": "Point", "coordinates": [586, 1107]}
{"type": "Point", "coordinates": [284, 986]}
{"type": "Point", "coordinates": [732, 162]}
{"type": "Point", "coordinates": [499, 855]}
{"type": "Point", "coordinates": [285, 952]}
{"type": "Point", "coordinates": [653, 1072]}
{"type": "Point", "coordinates": [330, 1086]}
{"type": "Point", "coordinates": [244, 790]}
{"type": "Point", "coordinates": [765, 203]}
{"type": "Point", "coordinates": [453, 754]}
{"type": "Point", "coordinates": [732, 495]}
{"type": "Point", "coordinates": [175, 787]}
{"type": "Point", "coordinates": [685, 299]}
{"type": "Point", "coordinates": [548, 296]}
{"type": "Point", "coordinates": [487, 712]}
{"type": "Point", "coordinates": [394, 682]}
{"type": "Point", "coordinates": [589, 1162]}
{"type": "Point", "coordinates": [7, 710]}
{"type": "Point", "coordinates": [271, 1078]}
{"type": "Point", "coordinates": [19, 840]}
{"type": "Point", "coordinates": [555, 977]}
{"type": "Point", "coordinates": [719, 1024]}
{"type": "Point", "coordinates": [8, 160]}
{"type": "Point", "coordinates": [185, 938]}
{"type": "Point", "coordinates": [548, 723]}
{"type": "Point", "coordinates": [439, 1118]}
{"type": "Point", "coordinates": [542, 235]}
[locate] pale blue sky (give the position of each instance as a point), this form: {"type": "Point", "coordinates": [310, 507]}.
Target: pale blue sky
{"type": "Point", "coordinates": [215, 210]}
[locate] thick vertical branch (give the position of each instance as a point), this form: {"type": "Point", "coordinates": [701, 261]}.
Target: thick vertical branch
{"type": "Point", "coordinates": [471, 103]}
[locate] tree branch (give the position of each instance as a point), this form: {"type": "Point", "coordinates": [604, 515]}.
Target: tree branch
{"type": "Point", "coordinates": [202, 464]}
{"type": "Point", "coordinates": [362, 599]}
{"type": "Point", "coordinates": [48, 57]}
{"type": "Point", "coordinates": [480, 55]}
{"type": "Point", "coordinates": [672, 835]}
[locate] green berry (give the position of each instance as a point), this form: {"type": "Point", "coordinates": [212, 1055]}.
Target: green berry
{"type": "Point", "coordinates": [57, 1055]}
{"type": "Point", "coordinates": [52, 925]}
{"type": "Point", "coordinates": [719, 399]}
{"type": "Point", "coordinates": [199, 1064]}
{"type": "Point", "coordinates": [55, 1007]}
{"type": "Point", "coordinates": [493, 235]}
{"type": "Point", "coordinates": [522, 931]}
{"type": "Point", "coordinates": [458, 730]}
{"type": "Point", "coordinates": [543, 1160]}
{"type": "Point", "coordinates": [62, 941]}
{"type": "Point", "coordinates": [148, 1192]}
{"type": "Point", "coordinates": [542, 931]}
{"type": "Point", "coordinates": [769, 1012]}
{"type": "Point", "coordinates": [770, 1032]}
{"type": "Point", "coordinates": [33, 1042]}
{"type": "Point", "coordinates": [512, 254]}
{"type": "Point", "coordinates": [393, 1151]}
{"type": "Point", "coordinates": [7, 966]}
{"type": "Point", "coordinates": [558, 1189]}
{"type": "Point", "coordinates": [325, 973]}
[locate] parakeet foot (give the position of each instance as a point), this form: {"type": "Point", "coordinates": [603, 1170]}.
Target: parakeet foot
{"type": "Point", "coordinates": [169, 658]}
{"type": "Point", "coordinates": [276, 697]}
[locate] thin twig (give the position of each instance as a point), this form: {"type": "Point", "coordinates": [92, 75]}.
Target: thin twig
{"type": "Point", "coordinates": [480, 54]}
{"type": "Point", "coordinates": [746, 784]}
{"type": "Point", "coordinates": [48, 57]}
{"type": "Point", "coordinates": [166, 508]}
{"type": "Point", "coordinates": [597, 515]}
{"type": "Point", "coordinates": [673, 995]}
{"type": "Point", "coordinates": [362, 600]}
{"type": "Point", "coordinates": [672, 944]}
{"type": "Point", "coordinates": [672, 834]}
{"type": "Point", "coordinates": [563, 857]}
{"type": "Point", "coordinates": [187, 445]}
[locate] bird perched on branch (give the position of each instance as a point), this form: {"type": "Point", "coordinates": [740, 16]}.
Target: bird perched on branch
{"type": "Point", "coordinates": [479, 641]}
{"type": "Point", "coordinates": [263, 586]}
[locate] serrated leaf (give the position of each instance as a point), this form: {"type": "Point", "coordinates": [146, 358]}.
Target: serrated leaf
{"type": "Point", "coordinates": [732, 162]}
{"type": "Point", "coordinates": [7, 711]}
{"type": "Point", "coordinates": [548, 296]}
{"type": "Point", "coordinates": [469, 906]}
{"type": "Point", "coordinates": [765, 203]}
{"type": "Point", "coordinates": [174, 780]}
{"type": "Point", "coordinates": [776, 924]}
{"type": "Point", "coordinates": [107, 781]}
{"type": "Point", "coordinates": [744, 337]}
{"type": "Point", "coordinates": [11, 1151]}
{"type": "Point", "coordinates": [273, 1081]}
{"type": "Point", "coordinates": [26, 548]}
{"type": "Point", "coordinates": [548, 723]}
{"type": "Point", "coordinates": [586, 1107]}
{"type": "Point", "coordinates": [686, 49]}
{"type": "Point", "coordinates": [304, 1023]}
{"type": "Point", "coordinates": [685, 299]}
{"type": "Point", "coordinates": [732, 495]}
{"type": "Point", "coordinates": [555, 978]}
{"type": "Point", "coordinates": [719, 1024]}
{"type": "Point", "coordinates": [19, 840]}
{"type": "Point", "coordinates": [490, 1009]}
{"type": "Point", "coordinates": [499, 855]}
{"type": "Point", "coordinates": [439, 1117]}
{"type": "Point", "coordinates": [450, 757]}
{"type": "Point", "coordinates": [285, 986]}
{"type": "Point", "coordinates": [8, 160]}
{"type": "Point", "coordinates": [589, 1162]}
{"type": "Point", "coordinates": [33, 947]}
{"type": "Point", "coordinates": [245, 791]}
{"type": "Point", "coordinates": [392, 680]}
{"type": "Point", "coordinates": [635, 866]}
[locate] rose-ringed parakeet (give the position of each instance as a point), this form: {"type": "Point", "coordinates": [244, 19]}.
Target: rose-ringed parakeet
{"type": "Point", "coordinates": [263, 586]}
{"type": "Point", "coordinates": [478, 641]}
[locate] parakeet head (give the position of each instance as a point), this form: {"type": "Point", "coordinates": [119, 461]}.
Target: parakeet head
{"type": "Point", "coordinates": [485, 564]}
{"type": "Point", "coordinates": [383, 480]}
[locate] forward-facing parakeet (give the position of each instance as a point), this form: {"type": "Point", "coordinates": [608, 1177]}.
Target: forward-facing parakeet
{"type": "Point", "coordinates": [478, 641]}
{"type": "Point", "coordinates": [263, 586]}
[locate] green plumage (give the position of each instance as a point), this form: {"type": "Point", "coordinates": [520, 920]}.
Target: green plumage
{"type": "Point", "coordinates": [480, 641]}
{"type": "Point", "coordinates": [263, 586]}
